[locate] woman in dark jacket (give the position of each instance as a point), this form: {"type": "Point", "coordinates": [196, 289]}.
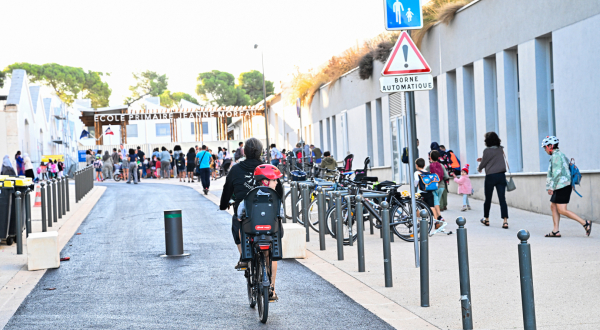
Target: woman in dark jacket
{"type": "Point", "coordinates": [7, 168]}
{"type": "Point", "coordinates": [191, 164]}
{"type": "Point", "coordinates": [495, 168]}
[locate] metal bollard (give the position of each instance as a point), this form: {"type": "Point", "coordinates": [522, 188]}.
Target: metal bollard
{"type": "Point", "coordinates": [43, 193]}
{"type": "Point", "coordinates": [358, 210]}
{"type": "Point", "coordinates": [463, 272]}
{"type": "Point", "coordinates": [19, 231]}
{"type": "Point", "coordinates": [305, 205]}
{"type": "Point", "coordinates": [63, 206]}
{"type": "Point", "coordinates": [27, 201]}
{"type": "Point", "coordinates": [424, 256]}
{"type": "Point", "coordinates": [294, 195]}
{"type": "Point", "coordinates": [59, 185]}
{"type": "Point", "coordinates": [54, 205]}
{"type": "Point", "coordinates": [49, 201]}
{"type": "Point", "coordinates": [173, 234]}
{"type": "Point", "coordinates": [322, 225]}
{"type": "Point", "coordinates": [525, 270]}
{"type": "Point", "coordinates": [67, 194]}
{"type": "Point", "coordinates": [339, 229]}
{"type": "Point", "coordinates": [387, 252]}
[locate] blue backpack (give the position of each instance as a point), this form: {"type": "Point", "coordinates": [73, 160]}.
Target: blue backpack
{"type": "Point", "coordinates": [428, 181]}
{"type": "Point", "coordinates": [575, 176]}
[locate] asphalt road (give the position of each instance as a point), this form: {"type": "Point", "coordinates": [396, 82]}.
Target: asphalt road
{"type": "Point", "coordinates": [116, 279]}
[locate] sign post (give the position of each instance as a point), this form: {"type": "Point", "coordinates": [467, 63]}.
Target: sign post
{"type": "Point", "coordinates": [406, 71]}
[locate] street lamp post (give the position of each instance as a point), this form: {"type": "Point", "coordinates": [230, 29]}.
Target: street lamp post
{"type": "Point", "coordinates": [265, 104]}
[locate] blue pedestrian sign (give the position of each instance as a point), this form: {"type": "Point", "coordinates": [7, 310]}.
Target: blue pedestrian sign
{"type": "Point", "coordinates": [402, 14]}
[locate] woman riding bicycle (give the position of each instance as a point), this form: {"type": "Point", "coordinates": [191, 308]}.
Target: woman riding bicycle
{"type": "Point", "coordinates": [238, 183]}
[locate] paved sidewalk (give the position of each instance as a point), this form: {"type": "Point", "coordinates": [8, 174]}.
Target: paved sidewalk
{"type": "Point", "coordinates": [565, 271]}
{"type": "Point", "coordinates": [16, 282]}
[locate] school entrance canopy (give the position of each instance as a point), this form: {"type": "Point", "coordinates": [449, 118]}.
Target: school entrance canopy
{"type": "Point", "coordinates": [122, 115]}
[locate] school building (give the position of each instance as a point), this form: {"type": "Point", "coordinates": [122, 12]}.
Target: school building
{"type": "Point", "coordinates": [524, 69]}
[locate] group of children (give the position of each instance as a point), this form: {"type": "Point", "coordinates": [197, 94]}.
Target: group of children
{"type": "Point", "coordinates": [428, 181]}
{"type": "Point", "coordinates": [51, 170]}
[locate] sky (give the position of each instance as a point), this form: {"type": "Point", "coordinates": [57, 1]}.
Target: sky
{"type": "Point", "coordinates": [184, 38]}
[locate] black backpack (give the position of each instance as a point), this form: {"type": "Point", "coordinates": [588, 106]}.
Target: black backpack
{"type": "Point", "coordinates": [405, 155]}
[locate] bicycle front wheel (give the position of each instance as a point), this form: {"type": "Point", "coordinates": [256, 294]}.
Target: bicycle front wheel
{"type": "Point", "coordinates": [402, 223]}
{"type": "Point", "coordinates": [331, 219]}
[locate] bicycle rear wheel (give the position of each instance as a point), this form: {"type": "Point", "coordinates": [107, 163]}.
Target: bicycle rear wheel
{"type": "Point", "coordinates": [250, 286]}
{"type": "Point", "coordinates": [402, 220]}
{"type": "Point", "coordinates": [263, 293]}
{"type": "Point", "coordinates": [331, 219]}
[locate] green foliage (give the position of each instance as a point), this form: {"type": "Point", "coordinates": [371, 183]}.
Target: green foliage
{"type": "Point", "coordinates": [252, 83]}
{"type": "Point", "coordinates": [172, 100]}
{"type": "Point", "coordinates": [218, 88]}
{"type": "Point", "coordinates": [68, 82]}
{"type": "Point", "coordinates": [183, 96]}
{"type": "Point", "coordinates": [147, 83]}
{"type": "Point", "coordinates": [2, 77]}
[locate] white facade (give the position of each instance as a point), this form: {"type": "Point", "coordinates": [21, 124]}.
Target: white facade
{"type": "Point", "coordinates": [37, 123]}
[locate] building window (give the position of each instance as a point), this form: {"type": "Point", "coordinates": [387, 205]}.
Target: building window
{"type": "Point", "coordinates": [328, 135]}
{"type": "Point", "coordinates": [369, 122]}
{"type": "Point", "coordinates": [163, 129]}
{"type": "Point", "coordinates": [204, 128]}
{"type": "Point", "coordinates": [491, 94]}
{"type": "Point", "coordinates": [91, 131]}
{"type": "Point", "coordinates": [132, 130]}
{"type": "Point", "coordinates": [454, 141]}
{"type": "Point", "coordinates": [379, 118]}
{"type": "Point", "coordinates": [551, 110]}
{"type": "Point", "coordinates": [334, 128]}
{"type": "Point", "coordinates": [470, 115]}
{"type": "Point", "coordinates": [321, 141]}
{"type": "Point", "coordinates": [434, 114]}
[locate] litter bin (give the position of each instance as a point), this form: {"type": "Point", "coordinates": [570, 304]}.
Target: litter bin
{"type": "Point", "coordinates": [6, 191]}
{"type": "Point", "coordinates": [20, 184]}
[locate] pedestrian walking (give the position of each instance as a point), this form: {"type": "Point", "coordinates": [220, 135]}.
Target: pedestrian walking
{"type": "Point", "coordinates": [43, 171]}
{"type": "Point", "coordinates": [203, 159]}
{"type": "Point", "coordinates": [239, 153]}
{"type": "Point", "coordinates": [7, 167]}
{"type": "Point", "coordinates": [107, 165]}
{"type": "Point", "coordinates": [165, 164]}
{"type": "Point", "coordinates": [435, 167]}
{"type": "Point", "coordinates": [20, 163]}
{"type": "Point", "coordinates": [54, 168]}
{"type": "Point", "coordinates": [181, 166]}
{"type": "Point", "coordinates": [464, 187]}
{"type": "Point", "coordinates": [133, 167]}
{"type": "Point", "coordinates": [176, 152]}
{"type": "Point", "coordinates": [213, 164]}
{"type": "Point", "coordinates": [558, 185]}
{"type": "Point", "coordinates": [61, 168]}
{"type": "Point", "coordinates": [116, 158]}
{"type": "Point", "coordinates": [426, 196]}
{"type": "Point", "coordinates": [28, 166]}
{"type": "Point", "coordinates": [275, 155]}
{"type": "Point", "coordinates": [191, 164]}
{"type": "Point", "coordinates": [98, 168]}
{"type": "Point", "coordinates": [494, 164]}
{"type": "Point", "coordinates": [125, 168]}
{"type": "Point", "coordinates": [445, 161]}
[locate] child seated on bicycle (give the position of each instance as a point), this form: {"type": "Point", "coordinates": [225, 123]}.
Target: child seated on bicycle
{"type": "Point", "coordinates": [266, 175]}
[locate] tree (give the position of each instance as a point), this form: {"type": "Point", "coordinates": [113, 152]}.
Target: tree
{"type": "Point", "coordinates": [169, 100]}
{"type": "Point", "coordinates": [68, 82]}
{"type": "Point", "coordinates": [2, 77]}
{"type": "Point", "coordinates": [252, 83]}
{"type": "Point", "coordinates": [218, 88]}
{"type": "Point", "coordinates": [147, 83]}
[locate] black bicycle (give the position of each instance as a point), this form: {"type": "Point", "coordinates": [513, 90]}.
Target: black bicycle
{"type": "Point", "coordinates": [261, 245]}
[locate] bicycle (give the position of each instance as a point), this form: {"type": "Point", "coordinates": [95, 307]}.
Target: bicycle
{"type": "Point", "coordinates": [260, 239]}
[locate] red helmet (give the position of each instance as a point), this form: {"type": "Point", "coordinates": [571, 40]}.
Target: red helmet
{"type": "Point", "coordinates": [266, 172]}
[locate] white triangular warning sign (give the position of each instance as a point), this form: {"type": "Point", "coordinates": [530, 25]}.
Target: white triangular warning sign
{"type": "Point", "coordinates": [405, 58]}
